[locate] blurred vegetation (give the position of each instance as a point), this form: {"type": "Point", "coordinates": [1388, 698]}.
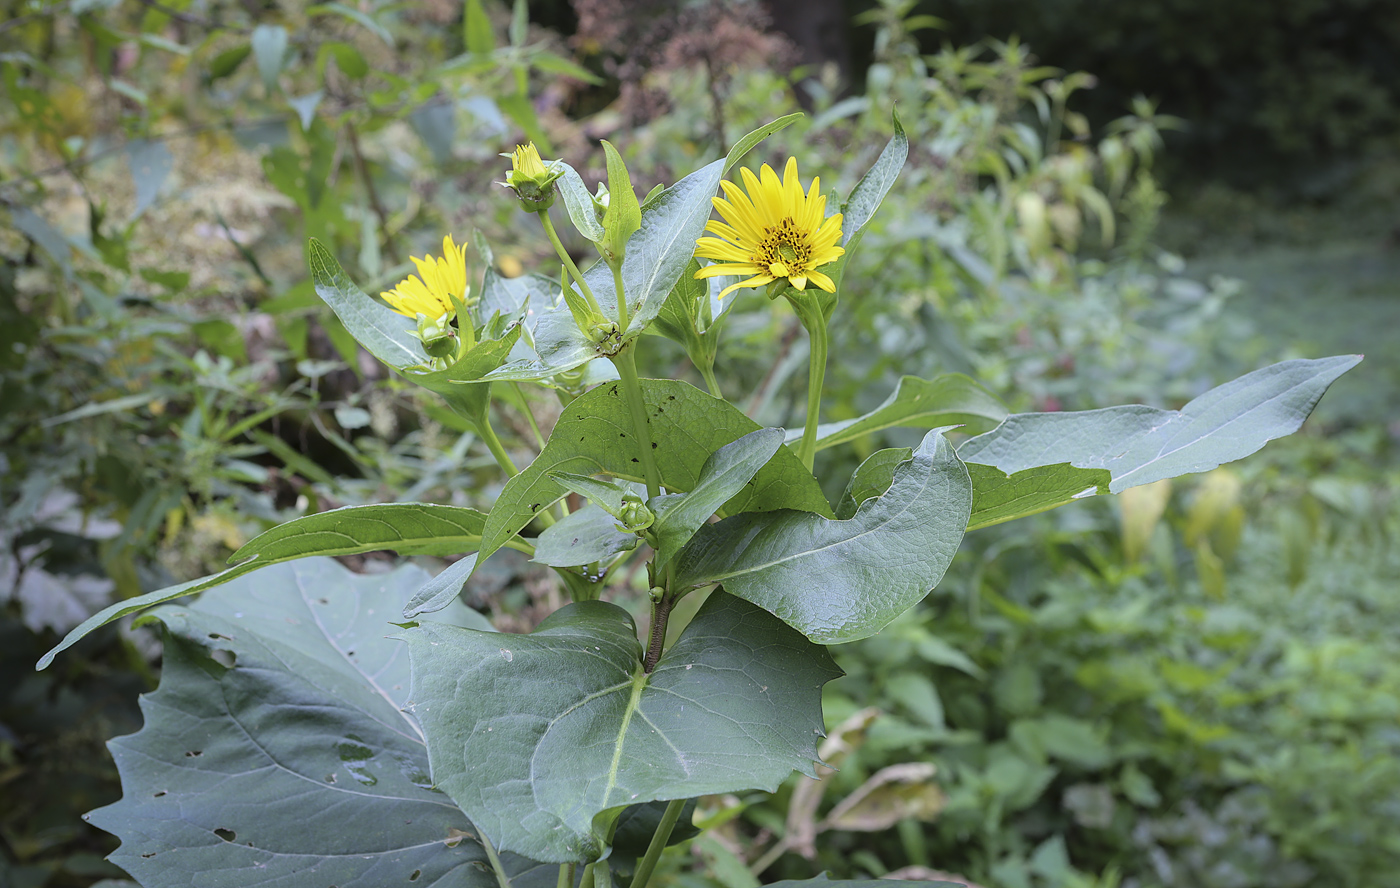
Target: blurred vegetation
{"type": "Point", "coordinates": [1184, 686]}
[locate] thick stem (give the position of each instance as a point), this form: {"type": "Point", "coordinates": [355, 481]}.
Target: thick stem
{"type": "Point", "coordinates": [625, 361]}
{"type": "Point", "coordinates": [658, 843]}
{"type": "Point", "coordinates": [502, 879]}
{"type": "Point", "coordinates": [564, 881]}
{"type": "Point", "coordinates": [660, 615]}
{"type": "Point", "coordinates": [588, 880]}
{"type": "Point", "coordinates": [816, 376]}
{"type": "Point", "coordinates": [707, 373]}
{"type": "Point", "coordinates": [624, 316]}
{"type": "Point", "coordinates": [568, 261]}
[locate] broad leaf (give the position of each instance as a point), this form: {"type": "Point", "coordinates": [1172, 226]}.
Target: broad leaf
{"type": "Point", "coordinates": [624, 214]}
{"type": "Point", "coordinates": [525, 296]}
{"type": "Point", "coordinates": [679, 515]}
{"type": "Point", "coordinates": [559, 344]}
{"type": "Point", "coordinates": [407, 528]}
{"type": "Point", "coordinates": [950, 399]}
{"type": "Point", "coordinates": [735, 704]}
{"type": "Point", "coordinates": [1139, 445]}
{"type": "Point", "coordinates": [388, 335]}
{"type": "Point", "coordinates": [581, 538]}
{"type": "Point", "coordinates": [441, 590]}
{"type": "Point", "coordinates": [275, 752]}
{"type": "Point", "coordinates": [998, 497]}
{"type": "Point", "coordinates": [594, 435]}
{"type": "Point", "coordinates": [608, 495]}
{"type": "Point", "coordinates": [661, 249]}
{"type": "Point", "coordinates": [834, 580]}
{"type": "Point", "coordinates": [579, 204]}
{"type": "Point", "coordinates": [865, 198]}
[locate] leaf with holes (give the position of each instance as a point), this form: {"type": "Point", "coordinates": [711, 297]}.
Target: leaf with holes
{"type": "Point", "coordinates": [275, 752]}
{"type": "Point", "coordinates": [594, 435]}
{"type": "Point", "coordinates": [735, 704]}
{"type": "Point", "coordinates": [837, 581]}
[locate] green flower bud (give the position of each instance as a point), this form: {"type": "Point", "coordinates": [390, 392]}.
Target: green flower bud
{"type": "Point", "coordinates": [530, 179]}
{"type": "Point", "coordinates": [635, 515]}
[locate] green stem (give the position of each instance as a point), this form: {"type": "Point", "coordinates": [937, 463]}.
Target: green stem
{"type": "Point", "coordinates": [529, 415]}
{"type": "Point", "coordinates": [816, 376]}
{"type": "Point", "coordinates": [502, 879]}
{"type": "Point", "coordinates": [623, 315]}
{"type": "Point", "coordinates": [498, 450]}
{"type": "Point", "coordinates": [566, 876]}
{"type": "Point", "coordinates": [568, 261]}
{"type": "Point", "coordinates": [658, 842]}
{"type": "Point", "coordinates": [587, 881]}
{"type": "Point", "coordinates": [708, 374]}
{"type": "Point", "coordinates": [626, 363]}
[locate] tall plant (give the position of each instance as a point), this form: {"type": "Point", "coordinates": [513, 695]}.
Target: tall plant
{"type": "Point", "coordinates": [290, 738]}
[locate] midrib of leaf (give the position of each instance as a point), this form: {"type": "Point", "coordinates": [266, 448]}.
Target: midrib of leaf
{"type": "Point", "coordinates": [374, 685]}
{"type": "Point", "coordinates": [639, 683]}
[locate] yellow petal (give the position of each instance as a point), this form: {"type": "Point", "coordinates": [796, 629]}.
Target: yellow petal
{"type": "Point", "coordinates": [822, 281]}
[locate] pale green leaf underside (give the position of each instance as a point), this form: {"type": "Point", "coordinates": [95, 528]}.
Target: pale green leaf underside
{"type": "Point", "coordinates": [296, 763]}
{"type": "Point", "coordinates": [388, 335]}
{"type": "Point", "coordinates": [865, 198]}
{"type": "Point", "coordinates": [834, 580]}
{"type": "Point", "coordinates": [407, 528]}
{"type": "Point", "coordinates": [582, 537]}
{"type": "Point", "coordinates": [735, 704]}
{"type": "Point", "coordinates": [1139, 445]}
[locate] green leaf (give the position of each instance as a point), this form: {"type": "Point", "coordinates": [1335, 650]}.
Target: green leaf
{"type": "Point", "coordinates": [735, 704]}
{"type": "Point", "coordinates": [750, 141]}
{"type": "Point", "coordinates": [559, 344]}
{"type": "Point", "coordinates": [919, 404]}
{"type": "Point", "coordinates": [514, 297]}
{"type": "Point", "coordinates": [388, 335]}
{"type": "Point", "coordinates": [661, 249]}
{"type": "Point", "coordinates": [865, 198]}
{"type": "Point", "coordinates": [347, 58]}
{"type": "Point", "coordinates": [624, 214]}
{"type": "Point", "coordinates": [276, 747]}
{"type": "Point", "coordinates": [228, 61]}
{"type": "Point", "coordinates": [594, 435]}
{"type": "Point", "coordinates": [583, 537]}
{"type": "Point", "coordinates": [441, 590]}
{"type": "Point", "coordinates": [460, 383]}
{"type": "Point", "coordinates": [872, 478]}
{"type": "Point", "coordinates": [676, 319]}
{"type": "Point", "coordinates": [679, 515]}
{"type": "Point", "coordinates": [351, 14]}
{"type": "Point", "coordinates": [552, 64]}
{"type": "Point", "coordinates": [998, 497]}
{"type": "Point", "coordinates": [1139, 444]}
{"type": "Point", "coordinates": [476, 29]}
{"type": "Point", "coordinates": [408, 528]}
{"type": "Point", "coordinates": [269, 48]}
{"type": "Point", "coordinates": [579, 203]}
{"type": "Point", "coordinates": [823, 882]}
{"type": "Point", "coordinates": [834, 580]}
{"type": "Point", "coordinates": [607, 495]}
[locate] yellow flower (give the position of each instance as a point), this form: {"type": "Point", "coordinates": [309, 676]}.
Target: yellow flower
{"type": "Point", "coordinates": [525, 160]}
{"type": "Point", "coordinates": [438, 282]}
{"type": "Point", "coordinates": [772, 232]}
{"type": "Point", "coordinates": [530, 179]}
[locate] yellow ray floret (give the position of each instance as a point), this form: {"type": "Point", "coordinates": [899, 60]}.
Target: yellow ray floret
{"type": "Point", "coordinates": [431, 291]}
{"type": "Point", "coordinates": [773, 231]}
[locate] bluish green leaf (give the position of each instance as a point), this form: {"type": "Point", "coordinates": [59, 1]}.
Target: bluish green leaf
{"type": "Point", "coordinates": [735, 704]}
{"type": "Point", "coordinates": [275, 749]}
{"type": "Point", "coordinates": [1139, 445]}
{"type": "Point", "coordinates": [150, 163]}
{"type": "Point", "coordinates": [388, 335]}
{"type": "Point", "coordinates": [834, 580]}
{"type": "Point", "coordinates": [269, 48]}
{"type": "Point", "coordinates": [579, 204]}
{"type": "Point", "coordinates": [998, 497]}
{"type": "Point", "coordinates": [872, 478]}
{"type": "Point", "coordinates": [441, 590]}
{"type": "Point", "coordinates": [582, 537]}
{"type": "Point", "coordinates": [724, 475]}
{"type": "Point", "coordinates": [751, 140]}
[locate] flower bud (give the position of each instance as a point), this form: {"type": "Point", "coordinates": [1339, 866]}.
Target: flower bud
{"type": "Point", "coordinates": [635, 515]}
{"type": "Point", "coordinates": [531, 179]}
{"type": "Point", "coordinates": [439, 339]}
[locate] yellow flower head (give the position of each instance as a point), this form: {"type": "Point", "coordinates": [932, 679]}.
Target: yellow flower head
{"type": "Point", "coordinates": [438, 282]}
{"type": "Point", "coordinates": [525, 160]}
{"type": "Point", "coordinates": [772, 232]}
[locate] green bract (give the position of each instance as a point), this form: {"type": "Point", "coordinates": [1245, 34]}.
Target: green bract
{"type": "Point", "coordinates": [292, 737]}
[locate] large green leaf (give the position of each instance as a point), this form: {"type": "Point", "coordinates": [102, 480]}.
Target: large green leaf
{"type": "Point", "coordinates": [865, 198]}
{"type": "Point", "coordinates": [388, 335]}
{"type": "Point", "coordinates": [735, 704]}
{"type": "Point", "coordinates": [950, 399]}
{"type": "Point", "coordinates": [594, 435]}
{"type": "Point", "coordinates": [998, 497]}
{"type": "Point", "coordinates": [408, 528]}
{"type": "Point", "coordinates": [660, 250]}
{"type": "Point", "coordinates": [835, 580]}
{"type": "Point", "coordinates": [1139, 445]}
{"type": "Point", "coordinates": [275, 753]}
{"type": "Point", "coordinates": [679, 515]}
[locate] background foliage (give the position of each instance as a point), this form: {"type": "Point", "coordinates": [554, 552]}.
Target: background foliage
{"type": "Point", "coordinates": [1193, 685]}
